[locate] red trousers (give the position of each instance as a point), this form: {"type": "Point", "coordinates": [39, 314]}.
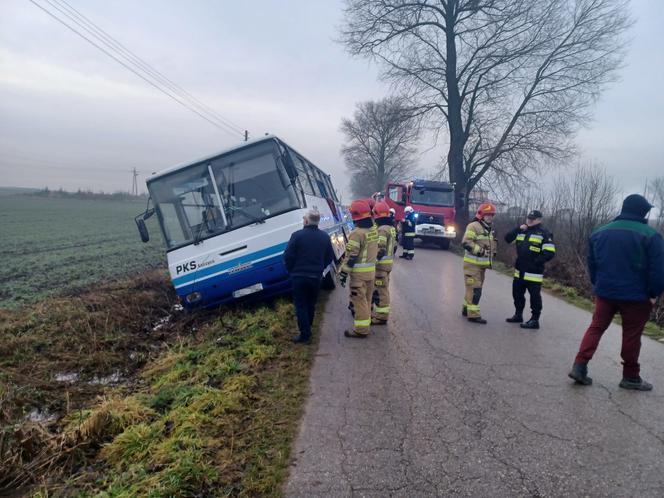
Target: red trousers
{"type": "Point", "coordinates": [634, 316]}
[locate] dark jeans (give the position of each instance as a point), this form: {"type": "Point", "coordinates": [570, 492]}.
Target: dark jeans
{"type": "Point", "coordinates": [634, 316]}
{"type": "Point", "coordinates": [305, 296]}
{"type": "Point", "coordinates": [519, 288]}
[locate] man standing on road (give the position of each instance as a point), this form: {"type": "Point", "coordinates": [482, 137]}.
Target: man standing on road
{"type": "Point", "coordinates": [534, 248]}
{"type": "Point", "coordinates": [480, 245]}
{"type": "Point", "coordinates": [360, 264]}
{"type": "Point", "coordinates": [408, 233]}
{"type": "Point", "coordinates": [308, 253]}
{"type": "Point", "coordinates": [626, 266]}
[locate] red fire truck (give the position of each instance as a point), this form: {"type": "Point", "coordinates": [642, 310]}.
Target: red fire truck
{"type": "Point", "coordinates": [433, 203]}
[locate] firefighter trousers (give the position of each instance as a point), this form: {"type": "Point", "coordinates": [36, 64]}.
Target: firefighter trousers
{"type": "Point", "coordinates": [361, 291]}
{"type": "Point", "coordinates": [519, 288]}
{"type": "Point", "coordinates": [381, 310]}
{"type": "Point", "coordinates": [474, 279]}
{"type": "Point", "coordinates": [408, 243]}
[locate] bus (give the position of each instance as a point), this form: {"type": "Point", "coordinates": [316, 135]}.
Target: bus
{"type": "Point", "coordinates": [226, 220]}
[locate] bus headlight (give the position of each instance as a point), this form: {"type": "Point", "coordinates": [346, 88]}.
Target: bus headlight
{"type": "Point", "coordinates": [450, 229]}
{"type": "Point", "coordinates": [194, 297]}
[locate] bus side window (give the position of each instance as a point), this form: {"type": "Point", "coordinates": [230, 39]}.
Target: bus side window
{"type": "Point", "coordinates": [312, 178]}
{"type": "Point", "coordinates": [320, 184]}
{"type": "Point", "coordinates": [301, 167]}
{"type": "Point", "coordinates": [330, 188]}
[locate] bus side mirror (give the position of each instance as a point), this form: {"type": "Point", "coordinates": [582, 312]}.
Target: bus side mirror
{"type": "Point", "coordinates": [140, 223]}
{"type": "Point", "coordinates": [142, 229]}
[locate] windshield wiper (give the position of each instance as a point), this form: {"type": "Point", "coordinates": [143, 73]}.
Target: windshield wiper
{"type": "Point", "coordinates": [204, 223]}
{"type": "Point", "coordinates": [256, 219]}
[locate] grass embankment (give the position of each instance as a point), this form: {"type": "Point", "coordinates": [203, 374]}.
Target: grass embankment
{"type": "Point", "coordinates": [568, 294]}
{"type": "Point", "coordinates": [207, 406]}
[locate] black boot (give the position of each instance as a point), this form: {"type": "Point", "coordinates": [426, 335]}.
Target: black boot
{"type": "Point", "coordinates": [579, 373]}
{"type": "Point", "coordinates": [517, 318]}
{"type": "Point", "coordinates": [299, 339]}
{"type": "Point", "coordinates": [532, 324]}
{"type": "Point", "coordinates": [464, 311]}
{"type": "Point", "coordinates": [477, 319]}
{"type": "Point", "coordinates": [637, 384]}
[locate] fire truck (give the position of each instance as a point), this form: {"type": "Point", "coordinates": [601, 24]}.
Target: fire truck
{"type": "Point", "coordinates": [433, 203]}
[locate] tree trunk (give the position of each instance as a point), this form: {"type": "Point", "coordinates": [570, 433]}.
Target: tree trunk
{"type": "Point", "coordinates": [455, 124]}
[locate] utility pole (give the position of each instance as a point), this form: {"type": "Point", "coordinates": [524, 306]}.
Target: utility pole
{"type": "Point", "coordinates": [246, 135]}
{"type": "Point", "coordinates": [134, 185]}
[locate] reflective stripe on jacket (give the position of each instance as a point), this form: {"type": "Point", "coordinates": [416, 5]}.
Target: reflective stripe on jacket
{"type": "Point", "coordinates": [362, 247]}
{"type": "Point", "coordinates": [534, 248]}
{"type": "Point", "coordinates": [479, 243]}
{"type": "Point", "coordinates": [386, 241]}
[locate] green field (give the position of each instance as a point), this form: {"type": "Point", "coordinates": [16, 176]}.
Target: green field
{"type": "Point", "coordinates": [52, 245]}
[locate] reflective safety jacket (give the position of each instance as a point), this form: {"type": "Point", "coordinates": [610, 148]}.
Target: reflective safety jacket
{"type": "Point", "coordinates": [361, 252]}
{"type": "Point", "coordinates": [387, 237]}
{"type": "Point", "coordinates": [479, 242]}
{"type": "Point", "coordinates": [534, 248]}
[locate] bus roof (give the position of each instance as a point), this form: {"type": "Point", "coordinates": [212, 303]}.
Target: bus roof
{"type": "Point", "coordinates": [242, 145]}
{"type": "Point", "coordinates": [178, 167]}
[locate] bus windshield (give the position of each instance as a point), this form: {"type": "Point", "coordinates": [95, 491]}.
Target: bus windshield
{"type": "Point", "coordinates": [432, 197]}
{"type": "Point", "coordinates": [227, 192]}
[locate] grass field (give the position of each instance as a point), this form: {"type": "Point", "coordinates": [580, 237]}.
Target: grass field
{"type": "Point", "coordinates": [51, 245]}
{"type": "Point", "coordinates": [107, 389]}
{"type": "Point", "coordinates": [205, 405]}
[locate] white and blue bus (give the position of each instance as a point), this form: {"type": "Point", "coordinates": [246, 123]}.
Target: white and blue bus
{"type": "Point", "coordinates": [226, 220]}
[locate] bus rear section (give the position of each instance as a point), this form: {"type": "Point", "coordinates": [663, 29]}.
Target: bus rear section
{"type": "Point", "coordinates": [227, 219]}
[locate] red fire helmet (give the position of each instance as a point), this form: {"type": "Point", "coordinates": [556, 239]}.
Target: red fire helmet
{"type": "Point", "coordinates": [360, 210]}
{"type": "Point", "coordinates": [486, 208]}
{"type": "Point", "coordinates": [381, 210]}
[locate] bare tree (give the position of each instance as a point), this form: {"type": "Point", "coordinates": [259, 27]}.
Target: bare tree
{"type": "Point", "coordinates": [657, 189]}
{"type": "Point", "coordinates": [511, 80]}
{"type": "Point", "coordinates": [381, 144]}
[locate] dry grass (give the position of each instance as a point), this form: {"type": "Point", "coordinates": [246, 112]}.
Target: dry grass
{"type": "Point", "coordinates": [208, 407]}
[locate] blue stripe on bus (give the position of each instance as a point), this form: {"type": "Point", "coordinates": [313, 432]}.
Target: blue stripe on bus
{"type": "Point", "coordinates": [247, 258]}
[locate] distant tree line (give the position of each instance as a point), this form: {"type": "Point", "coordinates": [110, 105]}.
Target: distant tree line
{"type": "Point", "coordinates": [88, 194]}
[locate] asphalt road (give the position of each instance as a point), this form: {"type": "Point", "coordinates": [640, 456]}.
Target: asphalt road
{"type": "Point", "coordinates": [432, 405]}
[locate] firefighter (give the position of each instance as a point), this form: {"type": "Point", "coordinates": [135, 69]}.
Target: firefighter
{"type": "Point", "coordinates": [360, 264]}
{"type": "Point", "coordinates": [479, 243]}
{"type": "Point", "coordinates": [408, 233]}
{"type": "Point", "coordinates": [534, 248]}
{"type": "Point", "coordinates": [386, 242]}
{"type": "Point", "coordinates": [393, 213]}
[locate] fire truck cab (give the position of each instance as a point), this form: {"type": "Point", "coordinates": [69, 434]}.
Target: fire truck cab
{"type": "Point", "coordinates": [433, 202]}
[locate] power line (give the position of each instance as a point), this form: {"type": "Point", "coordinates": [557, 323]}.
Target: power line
{"type": "Point", "coordinates": [225, 128]}
{"type": "Point", "coordinates": [138, 62]}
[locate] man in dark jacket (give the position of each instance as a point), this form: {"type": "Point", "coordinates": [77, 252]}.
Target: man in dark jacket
{"type": "Point", "coordinates": [626, 265]}
{"type": "Point", "coordinates": [534, 248]}
{"type": "Point", "coordinates": [308, 253]}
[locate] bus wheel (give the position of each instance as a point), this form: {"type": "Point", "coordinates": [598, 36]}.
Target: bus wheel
{"type": "Point", "coordinates": [444, 244]}
{"type": "Point", "coordinates": [330, 280]}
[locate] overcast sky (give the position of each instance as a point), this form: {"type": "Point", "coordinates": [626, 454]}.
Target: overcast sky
{"type": "Point", "coordinates": [72, 117]}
